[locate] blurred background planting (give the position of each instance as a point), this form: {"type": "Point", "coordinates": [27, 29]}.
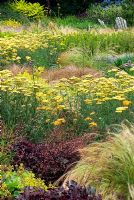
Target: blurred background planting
{"type": "Point", "coordinates": [66, 99]}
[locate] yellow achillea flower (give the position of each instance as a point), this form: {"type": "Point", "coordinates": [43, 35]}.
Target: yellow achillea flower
{"type": "Point", "coordinates": [14, 50]}
{"type": "Point", "coordinates": [132, 69]}
{"type": "Point", "coordinates": [126, 103]}
{"type": "Point", "coordinates": [113, 70]}
{"type": "Point", "coordinates": [88, 118]}
{"type": "Point", "coordinates": [60, 107]}
{"type": "Point", "coordinates": [28, 58]}
{"type": "Point", "coordinates": [47, 120]}
{"type": "Point", "coordinates": [92, 124]}
{"type": "Point", "coordinates": [59, 121]}
{"type": "Point", "coordinates": [99, 102]}
{"type": "Point", "coordinates": [88, 101]}
{"type": "Point", "coordinates": [38, 108]}
{"type": "Point", "coordinates": [92, 113]}
{"type": "Point", "coordinates": [121, 109]}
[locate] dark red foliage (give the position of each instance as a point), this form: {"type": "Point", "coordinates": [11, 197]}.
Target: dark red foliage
{"type": "Point", "coordinates": [49, 161]}
{"type": "Point", "coordinates": [73, 192]}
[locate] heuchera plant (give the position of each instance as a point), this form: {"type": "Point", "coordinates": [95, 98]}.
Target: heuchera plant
{"type": "Point", "coordinates": [49, 160]}
{"type": "Point", "coordinates": [72, 192]}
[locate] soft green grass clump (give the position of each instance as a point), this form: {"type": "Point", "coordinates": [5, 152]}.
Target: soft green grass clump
{"type": "Point", "coordinates": [109, 166]}
{"type": "Point", "coordinates": [75, 57]}
{"type": "Point", "coordinates": [74, 22]}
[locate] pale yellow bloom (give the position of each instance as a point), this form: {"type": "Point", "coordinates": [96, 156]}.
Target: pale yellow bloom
{"type": "Point", "coordinates": [47, 120]}
{"type": "Point", "coordinates": [92, 113]}
{"type": "Point", "coordinates": [88, 101]}
{"type": "Point", "coordinates": [92, 124]}
{"type": "Point", "coordinates": [88, 118]}
{"type": "Point", "coordinates": [121, 109]}
{"type": "Point", "coordinates": [126, 103]}
{"type": "Point", "coordinates": [59, 121]}
{"type": "Point", "coordinates": [28, 58]}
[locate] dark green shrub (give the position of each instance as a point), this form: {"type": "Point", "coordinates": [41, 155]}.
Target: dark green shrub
{"type": "Point", "coordinates": [107, 14]}
{"type": "Point", "coordinates": [73, 7]}
{"type": "Point", "coordinates": [128, 11]}
{"type": "Point", "coordinates": [62, 7]}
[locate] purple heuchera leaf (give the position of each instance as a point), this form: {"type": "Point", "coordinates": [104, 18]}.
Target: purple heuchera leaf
{"type": "Point", "coordinates": [76, 192]}
{"type": "Point", "coordinates": [49, 160]}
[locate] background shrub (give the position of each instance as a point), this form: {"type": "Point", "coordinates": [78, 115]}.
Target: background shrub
{"type": "Point", "coordinates": [128, 11]}
{"type": "Point", "coordinates": [107, 14]}
{"type": "Point", "coordinates": [73, 7]}
{"type": "Point", "coordinates": [62, 7]}
{"type": "Point", "coordinates": [30, 10]}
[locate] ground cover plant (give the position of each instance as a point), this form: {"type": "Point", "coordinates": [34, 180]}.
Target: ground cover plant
{"type": "Point", "coordinates": [13, 182]}
{"type": "Point", "coordinates": [72, 192]}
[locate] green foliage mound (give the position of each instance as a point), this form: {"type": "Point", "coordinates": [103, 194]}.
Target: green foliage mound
{"type": "Point", "coordinates": [13, 182]}
{"type": "Point", "coordinates": [30, 10]}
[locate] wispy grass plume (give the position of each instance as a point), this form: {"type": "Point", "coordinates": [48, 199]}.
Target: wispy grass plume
{"type": "Point", "coordinates": [109, 166]}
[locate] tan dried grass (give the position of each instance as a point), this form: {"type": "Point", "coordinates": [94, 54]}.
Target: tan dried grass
{"type": "Point", "coordinates": [59, 73]}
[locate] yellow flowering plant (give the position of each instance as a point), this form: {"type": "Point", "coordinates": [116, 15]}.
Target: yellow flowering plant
{"type": "Point", "coordinates": [28, 99]}
{"type": "Point", "coordinates": [22, 48]}
{"type": "Point", "coordinates": [45, 48]}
